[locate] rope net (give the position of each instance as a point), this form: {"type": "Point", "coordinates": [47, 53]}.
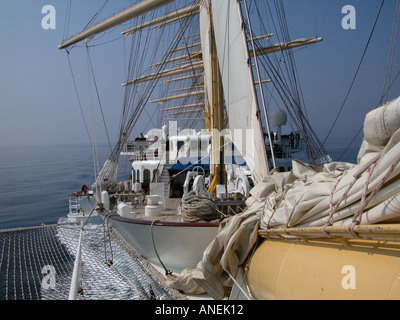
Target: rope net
{"type": "Point", "coordinates": [37, 264]}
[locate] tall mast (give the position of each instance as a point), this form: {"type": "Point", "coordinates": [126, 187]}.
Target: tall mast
{"type": "Point", "coordinates": [238, 85]}
{"type": "Point", "coordinates": [215, 111]}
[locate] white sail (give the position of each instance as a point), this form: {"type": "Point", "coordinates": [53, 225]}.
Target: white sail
{"type": "Point", "coordinates": [238, 83]}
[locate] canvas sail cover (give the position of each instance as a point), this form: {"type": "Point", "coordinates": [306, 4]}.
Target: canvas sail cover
{"type": "Point", "coordinates": [338, 194]}
{"type": "Point", "coordinates": [237, 81]}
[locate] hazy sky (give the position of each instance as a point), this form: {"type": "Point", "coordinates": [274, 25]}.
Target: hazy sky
{"type": "Point", "coordinates": [38, 104]}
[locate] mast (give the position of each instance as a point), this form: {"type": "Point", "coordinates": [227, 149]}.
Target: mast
{"type": "Point", "coordinates": [124, 16]}
{"type": "Point", "coordinates": [217, 114]}
{"type": "Point", "coordinates": [214, 100]}
{"type": "Point", "coordinates": [238, 85]}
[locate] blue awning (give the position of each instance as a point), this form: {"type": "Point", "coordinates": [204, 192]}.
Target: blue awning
{"type": "Point", "coordinates": [188, 166]}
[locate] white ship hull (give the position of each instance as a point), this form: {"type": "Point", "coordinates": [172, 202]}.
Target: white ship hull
{"type": "Point", "coordinates": [179, 245]}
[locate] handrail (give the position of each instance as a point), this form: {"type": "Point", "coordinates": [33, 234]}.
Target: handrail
{"type": "Point", "coordinates": [77, 270]}
{"type": "Point", "coordinates": [80, 195]}
{"type": "Point", "coordinates": [76, 275]}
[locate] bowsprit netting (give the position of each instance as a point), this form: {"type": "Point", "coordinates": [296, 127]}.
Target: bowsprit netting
{"type": "Point", "coordinates": [24, 253]}
{"type": "Point", "coordinates": [37, 264]}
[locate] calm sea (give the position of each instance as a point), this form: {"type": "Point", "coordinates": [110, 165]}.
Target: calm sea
{"type": "Point", "coordinates": [36, 181]}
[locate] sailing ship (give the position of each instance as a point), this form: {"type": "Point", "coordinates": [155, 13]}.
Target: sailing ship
{"type": "Point", "coordinates": [199, 199]}
{"type": "Point", "coordinates": [185, 182]}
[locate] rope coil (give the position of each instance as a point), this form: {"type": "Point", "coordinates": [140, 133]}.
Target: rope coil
{"type": "Point", "coordinates": [196, 208]}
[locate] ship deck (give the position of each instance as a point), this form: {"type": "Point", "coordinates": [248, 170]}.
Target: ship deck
{"type": "Point", "coordinates": [171, 211]}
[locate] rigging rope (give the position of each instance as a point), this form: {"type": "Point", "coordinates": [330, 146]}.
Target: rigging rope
{"type": "Point", "coordinates": [196, 208]}
{"type": "Point", "coordinates": [391, 51]}
{"type": "Point", "coordinates": [135, 102]}
{"type": "Point", "coordinates": [284, 77]}
{"type": "Point", "coordinates": [91, 21]}
{"type": "Point", "coordinates": [380, 103]}
{"type": "Point", "coordinates": [79, 101]}
{"type": "Point", "coordinates": [67, 19]}
{"type": "Point", "coordinates": [96, 164]}
{"type": "Point", "coordinates": [315, 18]}
{"type": "Point", "coordinates": [167, 272]}
{"type": "Point", "coordinates": [260, 85]}
{"type": "Point", "coordinates": [98, 99]}
{"type": "Point", "coordinates": [356, 74]}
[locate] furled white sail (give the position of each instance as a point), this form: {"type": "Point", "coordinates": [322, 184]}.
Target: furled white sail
{"type": "Point", "coordinates": [126, 15]}
{"type": "Point", "coordinates": [178, 14]}
{"type": "Point", "coordinates": [191, 67]}
{"type": "Point", "coordinates": [238, 84]}
{"type": "Point", "coordinates": [310, 200]}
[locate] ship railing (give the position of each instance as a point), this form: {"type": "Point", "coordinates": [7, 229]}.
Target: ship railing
{"type": "Point", "coordinates": [147, 154]}
{"type": "Point", "coordinates": [74, 202]}
{"type": "Point", "coordinates": [74, 206]}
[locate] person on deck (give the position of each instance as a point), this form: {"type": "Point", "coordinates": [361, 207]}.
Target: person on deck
{"type": "Point", "coordinates": [84, 191]}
